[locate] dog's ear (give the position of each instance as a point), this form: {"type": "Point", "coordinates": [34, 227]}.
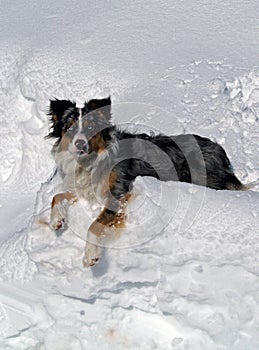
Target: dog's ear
{"type": "Point", "coordinates": [56, 111]}
{"type": "Point", "coordinates": [57, 108]}
{"type": "Point", "coordinates": [103, 106]}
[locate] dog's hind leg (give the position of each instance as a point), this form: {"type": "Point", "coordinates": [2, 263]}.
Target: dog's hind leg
{"type": "Point", "coordinates": [233, 184]}
{"type": "Point", "coordinates": [58, 210]}
{"type": "Point", "coordinates": [246, 187]}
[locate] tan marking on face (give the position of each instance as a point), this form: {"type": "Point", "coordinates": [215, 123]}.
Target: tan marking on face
{"type": "Point", "coordinates": [54, 117]}
{"type": "Point", "coordinates": [100, 114]}
{"type": "Point", "coordinates": [64, 143]}
{"type": "Point", "coordinates": [71, 124]}
{"type": "Point", "coordinates": [97, 144]}
{"type": "Point", "coordinates": [85, 123]}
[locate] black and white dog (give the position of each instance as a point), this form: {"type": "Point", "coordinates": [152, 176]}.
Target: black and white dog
{"type": "Point", "coordinates": [98, 160]}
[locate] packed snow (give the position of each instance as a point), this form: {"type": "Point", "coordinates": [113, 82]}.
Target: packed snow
{"type": "Point", "coordinates": [184, 274]}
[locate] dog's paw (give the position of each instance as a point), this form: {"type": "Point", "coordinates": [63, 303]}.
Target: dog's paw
{"type": "Point", "coordinates": [92, 250]}
{"type": "Point", "coordinates": [91, 258]}
{"type": "Point", "coordinates": [92, 255]}
{"type": "Point", "coordinates": [56, 222]}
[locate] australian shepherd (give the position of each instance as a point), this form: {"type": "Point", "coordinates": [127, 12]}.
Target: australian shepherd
{"type": "Point", "coordinates": [99, 161]}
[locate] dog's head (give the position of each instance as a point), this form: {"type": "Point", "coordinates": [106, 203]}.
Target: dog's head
{"type": "Point", "coordinates": [81, 130]}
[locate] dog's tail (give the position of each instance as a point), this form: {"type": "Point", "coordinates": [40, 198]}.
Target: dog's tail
{"type": "Point", "coordinates": [250, 185]}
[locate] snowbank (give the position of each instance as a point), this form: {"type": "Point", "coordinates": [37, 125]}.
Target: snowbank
{"type": "Point", "coordinates": [184, 274]}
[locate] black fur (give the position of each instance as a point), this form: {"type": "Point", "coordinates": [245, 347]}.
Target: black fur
{"type": "Point", "coordinates": [185, 158]}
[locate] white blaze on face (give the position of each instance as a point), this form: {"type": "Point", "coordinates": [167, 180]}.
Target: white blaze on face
{"type": "Point", "coordinates": [79, 142]}
{"type": "Point", "coordinates": [80, 124]}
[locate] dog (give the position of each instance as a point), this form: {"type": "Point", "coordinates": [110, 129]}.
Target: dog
{"type": "Point", "coordinates": [99, 161]}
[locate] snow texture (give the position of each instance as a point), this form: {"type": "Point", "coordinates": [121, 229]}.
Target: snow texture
{"type": "Point", "coordinates": [184, 274]}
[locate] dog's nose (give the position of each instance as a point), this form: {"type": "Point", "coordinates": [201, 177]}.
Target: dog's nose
{"type": "Point", "coordinates": [81, 145]}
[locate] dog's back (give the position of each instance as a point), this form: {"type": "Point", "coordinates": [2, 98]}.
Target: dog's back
{"type": "Point", "coordinates": [186, 158]}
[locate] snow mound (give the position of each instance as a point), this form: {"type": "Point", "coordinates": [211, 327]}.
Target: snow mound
{"type": "Point", "coordinates": [184, 274]}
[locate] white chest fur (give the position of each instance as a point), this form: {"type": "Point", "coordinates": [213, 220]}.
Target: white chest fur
{"type": "Point", "coordinates": [76, 179]}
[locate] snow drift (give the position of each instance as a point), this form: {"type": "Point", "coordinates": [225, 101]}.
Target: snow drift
{"type": "Point", "coordinates": [184, 274]}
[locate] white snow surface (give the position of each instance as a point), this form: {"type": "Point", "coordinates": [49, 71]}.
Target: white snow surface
{"type": "Point", "coordinates": [184, 274]}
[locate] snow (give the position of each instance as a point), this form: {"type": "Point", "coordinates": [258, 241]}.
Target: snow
{"type": "Point", "coordinates": [185, 273]}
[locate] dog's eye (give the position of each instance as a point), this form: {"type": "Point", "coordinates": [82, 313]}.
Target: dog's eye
{"type": "Point", "coordinates": [71, 129]}
{"type": "Point", "coordinates": [89, 127]}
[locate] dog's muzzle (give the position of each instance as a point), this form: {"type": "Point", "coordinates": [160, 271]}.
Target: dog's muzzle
{"type": "Point", "coordinates": [81, 146]}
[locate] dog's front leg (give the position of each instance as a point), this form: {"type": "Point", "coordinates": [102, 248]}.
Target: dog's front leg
{"type": "Point", "coordinates": [108, 218]}
{"type": "Point", "coordinates": [93, 247]}
{"type": "Point", "coordinates": [57, 216]}
{"type": "Point", "coordinates": [117, 193]}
